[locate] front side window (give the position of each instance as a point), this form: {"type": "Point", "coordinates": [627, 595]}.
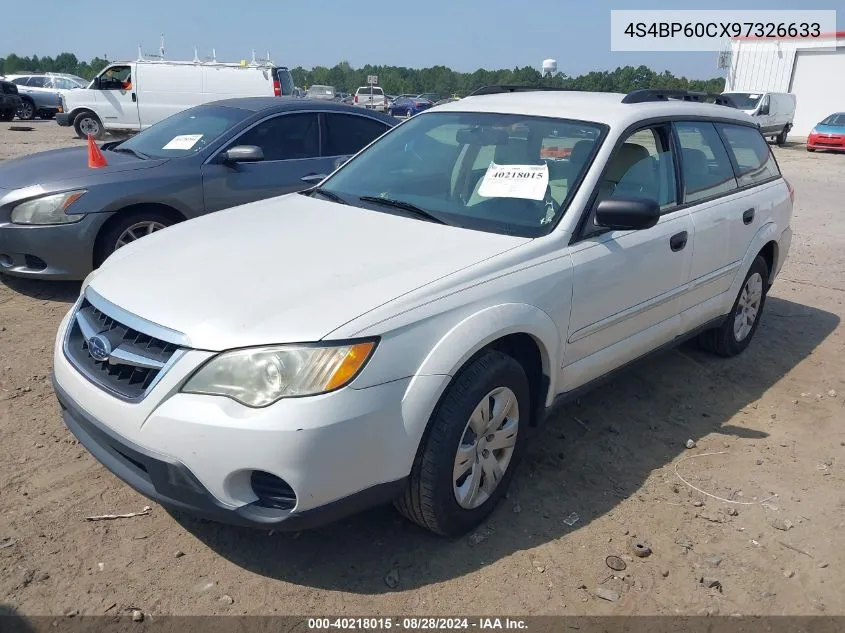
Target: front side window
{"type": "Point", "coordinates": [477, 170]}
{"type": "Point", "coordinates": [185, 133]}
{"type": "Point", "coordinates": [642, 167]}
{"type": "Point", "coordinates": [705, 165]}
{"type": "Point", "coordinates": [751, 153]}
{"type": "Point", "coordinates": [346, 134]}
{"type": "Point", "coordinates": [116, 78]}
{"type": "Point", "coordinates": [285, 137]}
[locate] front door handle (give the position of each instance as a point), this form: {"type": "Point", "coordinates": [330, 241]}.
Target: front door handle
{"type": "Point", "coordinates": [678, 241]}
{"type": "Point", "coordinates": [313, 178]}
{"type": "Point", "coordinates": [748, 216]}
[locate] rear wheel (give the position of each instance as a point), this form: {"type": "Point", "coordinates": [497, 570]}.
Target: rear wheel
{"type": "Point", "coordinates": [27, 110]}
{"type": "Point", "coordinates": [128, 229]}
{"type": "Point", "coordinates": [87, 123]}
{"type": "Point", "coordinates": [735, 333]}
{"type": "Point", "coordinates": [780, 139]}
{"type": "Point", "coordinates": [470, 450]}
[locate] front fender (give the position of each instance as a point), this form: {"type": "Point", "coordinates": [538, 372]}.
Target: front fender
{"type": "Point", "coordinates": [478, 330]}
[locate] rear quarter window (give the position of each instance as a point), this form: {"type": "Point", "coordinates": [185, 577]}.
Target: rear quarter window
{"type": "Point", "coordinates": [751, 153]}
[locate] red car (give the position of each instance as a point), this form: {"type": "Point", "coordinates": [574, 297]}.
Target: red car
{"type": "Point", "coordinates": [829, 134]}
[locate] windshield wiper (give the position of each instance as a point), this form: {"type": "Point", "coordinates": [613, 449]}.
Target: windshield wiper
{"type": "Point", "coordinates": [405, 206]}
{"type": "Point", "coordinates": [328, 194]}
{"type": "Point", "coordinates": [129, 150]}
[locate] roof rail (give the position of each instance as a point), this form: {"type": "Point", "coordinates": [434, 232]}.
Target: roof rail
{"type": "Point", "coordinates": [502, 89]}
{"type": "Point", "coordinates": [645, 95]}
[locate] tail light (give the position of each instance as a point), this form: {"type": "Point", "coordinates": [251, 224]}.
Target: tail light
{"type": "Point", "coordinates": [277, 88]}
{"type": "Point", "coordinates": [791, 191]}
{"type": "Point", "coordinates": [355, 99]}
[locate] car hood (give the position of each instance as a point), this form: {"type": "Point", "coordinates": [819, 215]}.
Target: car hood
{"type": "Point", "coordinates": [830, 129]}
{"type": "Point", "coordinates": [62, 165]}
{"type": "Point", "coordinates": [287, 269]}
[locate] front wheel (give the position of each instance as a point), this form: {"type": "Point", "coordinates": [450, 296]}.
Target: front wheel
{"type": "Point", "coordinates": [735, 333]}
{"type": "Point", "coordinates": [88, 123]}
{"type": "Point", "coordinates": [468, 454]}
{"type": "Point", "coordinates": [128, 229]}
{"type": "Point", "coordinates": [27, 111]}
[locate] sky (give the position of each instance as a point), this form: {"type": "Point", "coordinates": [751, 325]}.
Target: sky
{"type": "Point", "coordinates": [462, 34]}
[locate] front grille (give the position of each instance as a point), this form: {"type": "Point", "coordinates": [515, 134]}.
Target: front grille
{"type": "Point", "coordinates": [272, 492]}
{"type": "Point", "coordinates": [134, 360]}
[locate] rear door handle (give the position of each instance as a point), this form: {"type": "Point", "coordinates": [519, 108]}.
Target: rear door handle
{"type": "Point", "coordinates": [748, 216]}
{"type": "Point", "coordinates": [678, 241]}
{"type": "Point", "coordinates": [134, 97]}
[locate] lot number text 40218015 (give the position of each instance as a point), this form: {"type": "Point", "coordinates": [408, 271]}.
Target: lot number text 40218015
{"type": "Point", "coordinates": [415, 623]}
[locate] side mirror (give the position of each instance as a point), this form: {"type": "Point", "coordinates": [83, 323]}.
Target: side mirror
{"type": "Point", "coordinates": [764, 109]}
{"type": "Point", "coordinates": [243, 154]}
{"type": "Point", "coordinates": [627, 214]}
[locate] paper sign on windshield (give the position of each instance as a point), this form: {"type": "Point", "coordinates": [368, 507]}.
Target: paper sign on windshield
{"type": "Point", "coordinates": [515, 181]}
{"type": "Point", "coordinates": [183, 141]}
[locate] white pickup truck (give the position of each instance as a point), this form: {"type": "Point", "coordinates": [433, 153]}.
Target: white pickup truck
{"type": "Point", "coordinates": [371, 97]}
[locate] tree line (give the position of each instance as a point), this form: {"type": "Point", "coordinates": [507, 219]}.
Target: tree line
{"type": "Point", "coordinates": [402, 80]}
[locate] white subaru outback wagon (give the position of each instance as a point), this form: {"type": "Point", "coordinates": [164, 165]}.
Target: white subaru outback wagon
{"type": "Point", "coordinates": [391, 334]}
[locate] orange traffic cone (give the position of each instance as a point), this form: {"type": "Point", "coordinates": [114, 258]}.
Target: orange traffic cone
{"type": "Point", "coordinates": [95, 156]}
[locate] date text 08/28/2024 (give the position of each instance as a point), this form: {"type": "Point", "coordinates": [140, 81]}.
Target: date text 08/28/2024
{"type": "Point", "coordinates": [414, 623]}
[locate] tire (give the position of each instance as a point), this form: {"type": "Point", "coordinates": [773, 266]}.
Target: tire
{"type": "Point", "coordinates": [433, 498]}
{"type": "Point", "coordinates": [27, 110]}
{"type": "Point", "coordinates": [728, 339]}
{"type": "Point", "coordinates": [811, 149]}
{"type": "Point", "coordinates": [87, 123]}
{"type": "Point", "coordinates": [780, 139]}
{"type": "Point", "coordinates": [112, 234]}
{"type": "Point", "coordinates": [8, 115]}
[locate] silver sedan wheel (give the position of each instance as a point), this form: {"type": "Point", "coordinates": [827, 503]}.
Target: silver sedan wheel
{"type": "Point", "coordinates": [486, 447]}
{"type": "Point", "coordinates": [137, 231]}
{"type": "Point", "coordinates": [748, 306]}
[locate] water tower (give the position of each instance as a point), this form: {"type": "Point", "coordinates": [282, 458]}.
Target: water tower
{"type": "Point", "coordinates": [549, 67]}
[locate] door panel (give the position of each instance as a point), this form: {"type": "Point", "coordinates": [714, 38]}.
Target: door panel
{"type": "Point", "coordinates": [291, 147]}
{"type": "Point", "coordinates": [627, 284]}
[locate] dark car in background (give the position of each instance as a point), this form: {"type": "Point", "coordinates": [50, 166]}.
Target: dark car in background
{"type": "Point", "coordinates": [408, 106]}
{"type": "Point", "coordinates": [10, 100]}
{"type": "Point", "coordinates": [60, 219]}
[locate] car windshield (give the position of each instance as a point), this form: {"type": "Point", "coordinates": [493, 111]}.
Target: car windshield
{"type": "Point", "coordinates": [481, 171]}
{"type": "Point", "coordinates": [745, 100]}
{"type": "Point", "coordinates": [186, 132]}
{"type": "Point", "coordinates": [835, 119]}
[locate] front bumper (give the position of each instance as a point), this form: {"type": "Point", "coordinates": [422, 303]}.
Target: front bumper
{"type": "Point", "coordinates": [59, 251]}
{"type": "Point", "coordinates": [339, 453]}
{"type": "Point", "coordinates": [823, 141]}
{"type": "Point", "coordinates": [64, 119]}
{"type": "Point", "coordinates": [174, 486]}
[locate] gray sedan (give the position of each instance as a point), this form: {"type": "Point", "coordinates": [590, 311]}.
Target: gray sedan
{"type": "Point", "coordinates": [60, 219]}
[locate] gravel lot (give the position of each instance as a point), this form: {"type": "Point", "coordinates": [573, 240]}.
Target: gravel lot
{"type": "Point", "coordinates": [773, 416]}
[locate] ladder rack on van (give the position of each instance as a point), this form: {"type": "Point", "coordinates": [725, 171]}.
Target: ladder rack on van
{"type": "Point", "coordinates": [159, 59]}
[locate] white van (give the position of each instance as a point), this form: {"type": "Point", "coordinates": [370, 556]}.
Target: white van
{"type": "Point", "coordinates": [132, 96]}
{"type": "Point", "coordinates": [774, 111]}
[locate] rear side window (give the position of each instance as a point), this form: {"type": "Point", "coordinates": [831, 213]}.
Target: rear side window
{"type": "Point", "coordinates": [38, 82]}
{"type": "Point", "coordinates": [752, 154]}
{"type": "Point", "coordinates": [705, 164]}
{"type": "Point", "coordinates": [347, 133]}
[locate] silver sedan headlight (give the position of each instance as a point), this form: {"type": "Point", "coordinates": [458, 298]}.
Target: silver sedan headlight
{"type": "Point", "coordinates": [259, 376]}
{"type": "Point", "coordinates": [48, 209]}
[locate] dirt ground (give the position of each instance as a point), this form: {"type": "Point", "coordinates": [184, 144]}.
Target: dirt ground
{"type": "Point", "coordinates": [599, 476]}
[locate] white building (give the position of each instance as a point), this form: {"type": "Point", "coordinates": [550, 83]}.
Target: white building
{"type": "Point", "coordinates": [812, 70]}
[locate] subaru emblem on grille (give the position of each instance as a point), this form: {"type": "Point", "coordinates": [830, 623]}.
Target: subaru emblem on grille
{"type": "Point", "coordinates": [99, 347]}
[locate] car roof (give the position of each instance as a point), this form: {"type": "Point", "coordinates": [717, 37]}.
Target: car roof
{"type": "Point", "coordinates": [599, 107]}
{"type": "Point", "coordinates": [288, 104]}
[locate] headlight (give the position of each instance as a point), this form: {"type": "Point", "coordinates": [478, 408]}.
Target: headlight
{"type": "Point", "coordinates": [260, 376]}
{"type": "Point", "coordinates": [47, 209]}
